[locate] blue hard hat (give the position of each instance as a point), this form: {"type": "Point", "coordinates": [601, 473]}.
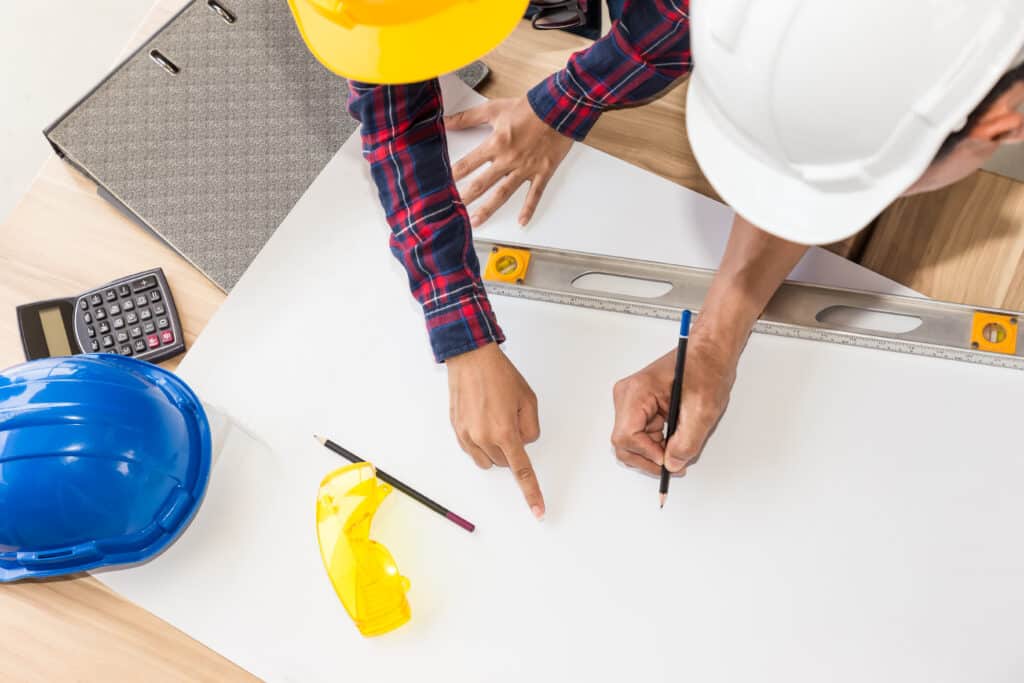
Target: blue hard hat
{"type": "Point", "coordinates": [103, 460]}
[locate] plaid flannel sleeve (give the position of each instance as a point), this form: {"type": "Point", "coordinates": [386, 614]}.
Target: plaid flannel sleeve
{"type": "Point", "coordinates": [646, 51]}
{"type": "Point", "coordinates": [404, 142]}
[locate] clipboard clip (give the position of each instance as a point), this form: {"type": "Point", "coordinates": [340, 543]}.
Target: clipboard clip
{"type": "Point", "coordinates": [221, 11]}
{"type": "Point", "coordinates": [168, 66]}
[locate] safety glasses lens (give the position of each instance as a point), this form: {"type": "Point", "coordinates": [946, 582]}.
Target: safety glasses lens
{"type": "Point", "coordinates": [363, 572]}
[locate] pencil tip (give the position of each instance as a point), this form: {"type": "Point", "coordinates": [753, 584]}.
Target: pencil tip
{"type": "Point", "coordinates": [661, 499]}
{"type": "Point", "coordinates": [319, 438]}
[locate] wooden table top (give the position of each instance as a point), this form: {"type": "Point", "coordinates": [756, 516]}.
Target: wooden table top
{"type": "Point", "coordinates": [965, 244]}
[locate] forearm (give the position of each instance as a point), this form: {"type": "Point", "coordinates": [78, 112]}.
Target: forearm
{"type": "Point", "coordinates": [644, 53]}
{"type": "Point", "coordinates": [404, 141]}
{"type": "Point", "coordinates": [754, 266]}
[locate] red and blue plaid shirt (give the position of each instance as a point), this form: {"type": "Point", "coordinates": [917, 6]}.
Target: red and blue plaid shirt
{"type": "Point", "coordinates": [404, 140]}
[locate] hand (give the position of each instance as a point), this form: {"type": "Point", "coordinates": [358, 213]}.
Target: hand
{"type": "Point", "coordinates": [754, 265]}
{"type": "Point", "coordinates": [494, 413]}
{"type": "Point", "coordinates": [521, 149]}
{"type": "Point", "coordinates": [642, 400]}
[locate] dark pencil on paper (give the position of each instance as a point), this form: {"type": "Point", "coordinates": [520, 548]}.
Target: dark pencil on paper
{"type": "Point", "coordinates": [404, 488]}
{"type": "Point", "coordinates": [674, 401]}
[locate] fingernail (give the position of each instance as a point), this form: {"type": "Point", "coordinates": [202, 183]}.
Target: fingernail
{"type": "Point", "coordinates": [538, 512]}
{"type": "Point", "coordinates": [474, 219]}
{"type": "Point", "coordinates": [673, 465]}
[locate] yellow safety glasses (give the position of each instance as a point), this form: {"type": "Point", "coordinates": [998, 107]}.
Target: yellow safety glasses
{"type": "Point", "coordinates": [362, 571]}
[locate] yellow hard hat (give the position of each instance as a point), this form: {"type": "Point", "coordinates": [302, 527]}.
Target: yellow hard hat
{"type": "Point", "coordinates": [403, 41]}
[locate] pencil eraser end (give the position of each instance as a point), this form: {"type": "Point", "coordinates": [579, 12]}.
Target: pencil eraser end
{"type": "Point", "coordinates": [684, 325]}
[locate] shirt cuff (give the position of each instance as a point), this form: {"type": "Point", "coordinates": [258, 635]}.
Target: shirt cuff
{"type": "Point", "coordinates": [568, 110]}
{"type": "Point", "coordinates": [461, 324]}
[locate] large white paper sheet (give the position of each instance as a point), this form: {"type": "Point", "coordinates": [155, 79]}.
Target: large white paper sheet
{"type": "Point", "coordinates": [854, 519]}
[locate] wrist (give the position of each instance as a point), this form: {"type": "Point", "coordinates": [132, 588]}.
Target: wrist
{"type": "Point", "coordinates": [728, 319]}
{"type": "Point", "coordinates": [470, 356]}
{"type": "Point", "coordinates": [754, 265]}
{"type": "Point", "coordinates": [568, 113]}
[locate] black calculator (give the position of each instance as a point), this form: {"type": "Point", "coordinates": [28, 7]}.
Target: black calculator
{"type": "Point", "coordinates": [133, 316]}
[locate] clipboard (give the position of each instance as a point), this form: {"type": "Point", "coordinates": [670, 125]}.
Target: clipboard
{"type": "Point", "coordinates": [210, 132]}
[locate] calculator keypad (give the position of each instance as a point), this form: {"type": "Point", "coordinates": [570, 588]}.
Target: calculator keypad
{"type": "Point", "coordinates": [131, 318]}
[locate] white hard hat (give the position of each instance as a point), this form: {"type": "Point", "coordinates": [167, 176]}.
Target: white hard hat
{"type": "Point", "coordinates": [810, 116]}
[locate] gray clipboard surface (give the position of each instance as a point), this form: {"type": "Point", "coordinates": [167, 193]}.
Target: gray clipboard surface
{"type": "Point", "coordinates": [211, 158]}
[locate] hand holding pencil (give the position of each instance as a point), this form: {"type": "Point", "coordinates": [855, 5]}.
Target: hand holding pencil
{"type": "Point", "coordinates": [642, 403]}
{"type": "Point", "coordinates": [709, 377]}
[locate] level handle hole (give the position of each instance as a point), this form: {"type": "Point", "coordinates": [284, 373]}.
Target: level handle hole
{"type": "Point", "coordinates": [868, 320]}
{"type": "Point", "coordinates": [621, 284]}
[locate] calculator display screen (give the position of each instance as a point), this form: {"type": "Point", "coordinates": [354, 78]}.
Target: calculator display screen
{"type": "Point", "coordinates": [54, 332]}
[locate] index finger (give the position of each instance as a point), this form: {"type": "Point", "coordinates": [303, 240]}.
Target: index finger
{"type": "Point", "coordinates": [522, 470]}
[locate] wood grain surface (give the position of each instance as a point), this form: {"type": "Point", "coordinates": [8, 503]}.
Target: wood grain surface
{"type": "Point", "coordinates": [965, 244]}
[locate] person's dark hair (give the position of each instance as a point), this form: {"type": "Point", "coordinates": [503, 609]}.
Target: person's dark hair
{"type": "Point", "coordinates": [1010, 79]}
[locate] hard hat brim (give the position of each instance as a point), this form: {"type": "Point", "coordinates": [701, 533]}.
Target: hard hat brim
{"type": "Point", "coordinates": [772, 200]}
{"type": "Point", "coordinates": [412, 52]}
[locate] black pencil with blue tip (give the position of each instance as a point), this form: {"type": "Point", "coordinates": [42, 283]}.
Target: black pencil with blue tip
{"type": "Point", "coordinates": [674, 401]}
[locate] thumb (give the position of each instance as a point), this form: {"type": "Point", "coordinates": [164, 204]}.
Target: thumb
{"type": "Point", "coordinates": [469, 118]}
{"type": "Point", "coordinates": [685, 446]}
